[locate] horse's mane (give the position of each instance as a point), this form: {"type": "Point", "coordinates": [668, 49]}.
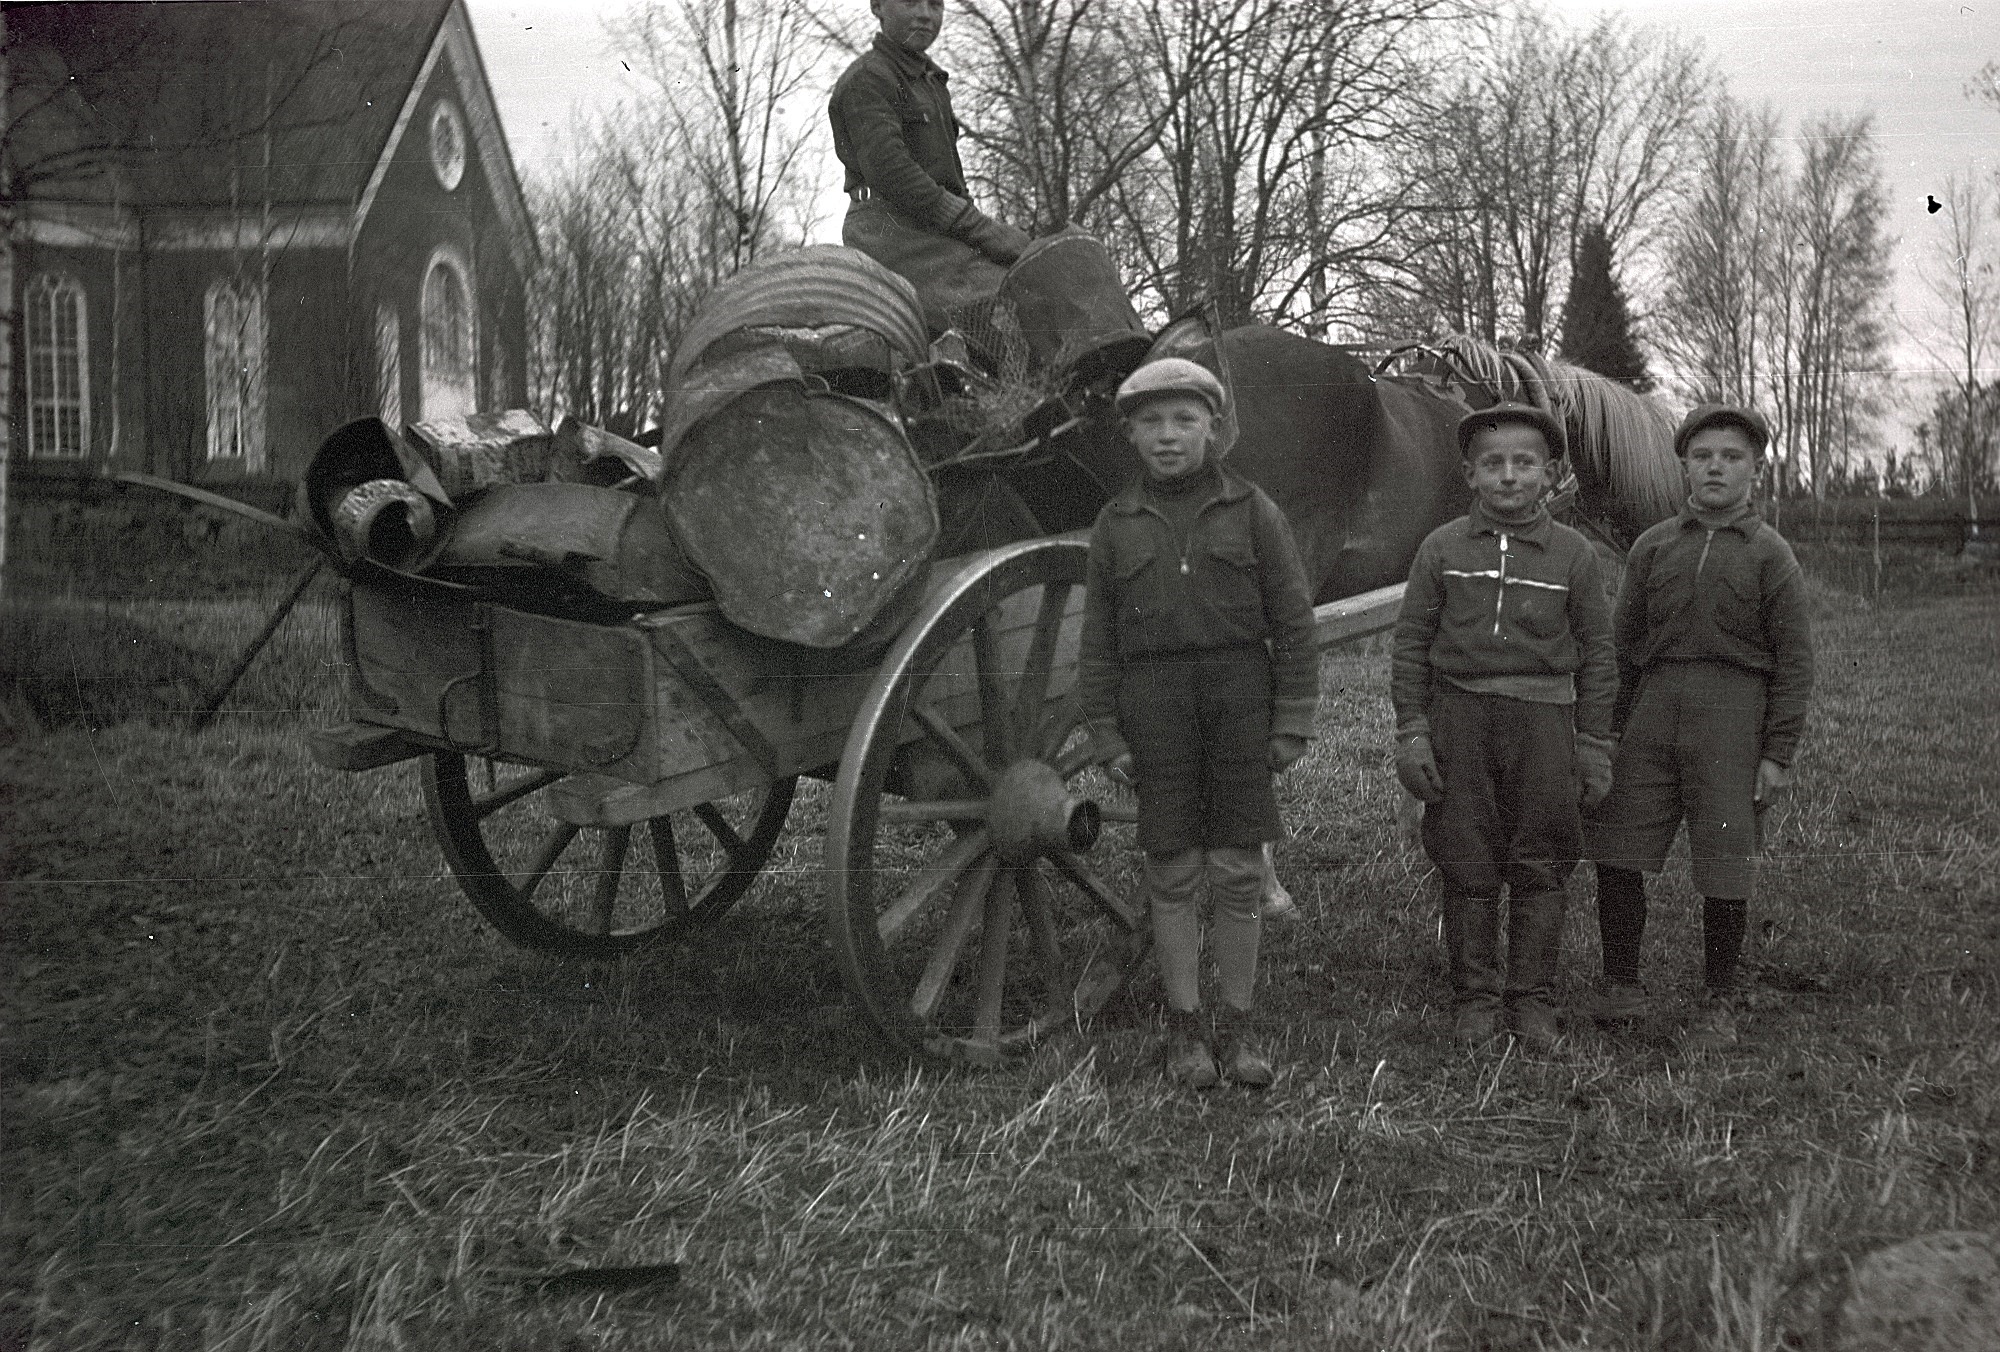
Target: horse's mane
{"type": "Point", "coordinates": [1621, 442]}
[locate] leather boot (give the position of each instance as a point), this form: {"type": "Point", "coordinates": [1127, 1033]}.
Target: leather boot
{"type": "Point", "coordinates": [1471, 944]}
{"type": "Point", "coordinates": [1534, 941]}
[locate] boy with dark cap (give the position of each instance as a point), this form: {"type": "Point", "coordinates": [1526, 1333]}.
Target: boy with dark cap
{"type": "Point", "coordinates": [1715, 668]}
{"type": "Point", "coordinates": [1199, 679]}
{"type": "Point", "coordinates": [1503, 679]}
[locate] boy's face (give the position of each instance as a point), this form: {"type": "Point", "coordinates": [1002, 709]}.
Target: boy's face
{"type": "Point", "coordinates": [1171, 433]}
{"type": "Point", "coordinates": [1508, 468]}
{"type": "Point", "coordinates": [1721, 464]}
{"type": "Point", "coordinates": [911, 24]}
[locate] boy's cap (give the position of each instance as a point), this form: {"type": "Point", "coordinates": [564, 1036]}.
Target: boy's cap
{"type": "Point", "coordinates": [1171, 375]}
{"type": "Point", "coordinates": [1482, 418]}
{"type": "Point", "coordinates": [1726, 415]}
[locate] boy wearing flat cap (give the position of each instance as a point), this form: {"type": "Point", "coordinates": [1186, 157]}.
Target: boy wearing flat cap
{"type": "Point", "coordinates": [1503, 679]}
{"type": "Point", "coordinates": [1199, 679]}
{"type": "Point", "coordinates": [1715, 667]}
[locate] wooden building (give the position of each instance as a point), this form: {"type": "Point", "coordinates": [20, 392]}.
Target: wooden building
{"type": "Point", "coordinates": [237, 225]}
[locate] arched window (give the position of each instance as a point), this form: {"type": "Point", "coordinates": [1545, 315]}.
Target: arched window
{"type": "Point", "coordinates": [450, 342]}
{"type": "Point", "coordinates": [233, 321]}
{"type": "Point", "coordinates": [58, 369]}
{"type": "Point", "coordinates": [389, 364]}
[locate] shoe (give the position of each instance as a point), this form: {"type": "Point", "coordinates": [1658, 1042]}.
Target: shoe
{"type": "Point", "coordinates": [1714, 1025]}
{"type": "Point", "coordinates": [1475, 1025]}
{"type": "Point", "coordinates": [1188, 1059]}
{"type": "Point", "coordinates": [1534, 941]}
{"type": "Point", "coordinates": [1619, 1002]}
{"type": "Point", "coordinates": [1237, 1051]}
{"type": "Point", "coordinates": [1534, 1026]}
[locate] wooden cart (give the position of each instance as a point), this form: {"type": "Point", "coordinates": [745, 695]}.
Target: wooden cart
{"type": "Point", "coordinates": [599, 787]}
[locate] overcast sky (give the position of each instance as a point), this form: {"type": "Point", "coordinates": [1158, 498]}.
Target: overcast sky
{"type": "Point", "coordinates": [1907, 61]}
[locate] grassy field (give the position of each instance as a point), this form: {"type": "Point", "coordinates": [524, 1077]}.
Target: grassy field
{"type": "Point", "coordinates": [270, 1083]}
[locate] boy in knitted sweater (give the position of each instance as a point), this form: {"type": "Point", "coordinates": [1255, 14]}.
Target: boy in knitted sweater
{"type": "Point", "coordinates": [1503, 679]}
{"type": "Point", "coordinates": [1715, 666]}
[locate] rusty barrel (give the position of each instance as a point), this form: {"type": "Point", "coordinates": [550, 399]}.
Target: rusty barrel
{"type": "Point", "coordinates": [807, 512]}
{"type": "Point", "coordinates": [1073, 308]}
{"type": "Point", "coordinates": [803, 505]}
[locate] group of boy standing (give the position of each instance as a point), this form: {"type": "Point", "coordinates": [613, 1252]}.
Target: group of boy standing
{"type": "Point", "coordinates": [1539, 723]}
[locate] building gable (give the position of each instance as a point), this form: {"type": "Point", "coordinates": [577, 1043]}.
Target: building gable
{"type": "Point", "coordinates": [454, 47]}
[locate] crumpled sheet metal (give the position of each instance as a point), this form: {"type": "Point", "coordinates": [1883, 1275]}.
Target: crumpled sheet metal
{"type": "Point", "coordinates": [813, 287]}
{"type": "Point", "coordinates": [479, 450]}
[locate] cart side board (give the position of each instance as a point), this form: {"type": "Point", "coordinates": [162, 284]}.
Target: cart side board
{"type": "Point", "coordinates": [672, 710]}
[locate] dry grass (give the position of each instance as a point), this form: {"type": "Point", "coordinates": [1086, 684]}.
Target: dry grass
{"type": "Point", "coordinates": [270, 1084]}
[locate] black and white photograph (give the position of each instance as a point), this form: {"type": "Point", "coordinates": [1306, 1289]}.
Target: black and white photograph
{"type": "Point", "coordinates": [1000, 674]}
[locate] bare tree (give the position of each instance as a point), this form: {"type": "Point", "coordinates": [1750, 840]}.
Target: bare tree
{"type": "Point", "coordinates": [1961, 269]}
{"type": "Point", "coordinates": [1544, 132]}
{"type": "Point", "coordinates": [1269, 194]}
{"type": "Point", "coordinates": [1060, 98]}
{"type": "Point", "coordinates": [668, 194]}
{"type": "Point", "coordinates": [1828, 303]}
{"type": "Point", "coordinates": [1721, 257]}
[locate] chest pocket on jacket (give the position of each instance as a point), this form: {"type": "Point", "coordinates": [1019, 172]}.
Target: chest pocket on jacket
{"type": "Point", "coordinates": [1232, 580]}
{"type": "Point", "coordinates": [1542, 611]}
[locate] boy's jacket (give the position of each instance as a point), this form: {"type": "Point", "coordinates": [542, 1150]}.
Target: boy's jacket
{"type": "Point", "coordinates": [896, 135]}
{"type": "Point", "coordinates": [1237, 579]}
{"type": "Point", "coordinates": [1732, 595]}
{"type": "Point", "coordinates": [1486, 599]}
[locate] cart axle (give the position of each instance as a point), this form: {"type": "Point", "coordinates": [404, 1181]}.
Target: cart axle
{"type": "Point", "coordinates": [1033, 812]}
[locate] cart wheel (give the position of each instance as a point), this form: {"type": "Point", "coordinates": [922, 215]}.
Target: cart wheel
{"type": "Point", "coordinates": [593, 892]}
{"type": "Point", "coordinates": [965, 912]}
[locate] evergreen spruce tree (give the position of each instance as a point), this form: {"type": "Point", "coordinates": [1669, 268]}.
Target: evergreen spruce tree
{"type": "Point", "coordinates": [1596, 324]}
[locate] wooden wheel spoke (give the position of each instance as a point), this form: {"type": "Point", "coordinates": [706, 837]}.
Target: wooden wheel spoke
{"type": "Point", "coordinates": [962, 757]}
{"type": "Point", "coordinates": [610, 874]}
{"type": "Point", "coordinates": [545, 856]}
{"type": "Point", "coordinates": [993, 938]}
{"type": "Point", "coordinates": [487, 804]}
{"type": "Point", "coordinates": [934, 810]}
{"type": "Point", "coordinates": [1118, 812]}
{"type": "Point", "coordinates": [966, 909]}
{"type": "Point", "coordinates": [1033, 690]}
{"type": "Point", "coordinates": [1085, 880]}
{"type": "Point", "coordinates": [719, 827]}
{"type": "Point", "coordinates": [994, 719]}
{"type": "Point", "coordinates": [961, 855]}
{"type": "Point", "coordinates": [1075, 759]}
{"type": "Point", "coordinates": [667, 859]}
{"type": "Point", "coordinates": [1043, 941]}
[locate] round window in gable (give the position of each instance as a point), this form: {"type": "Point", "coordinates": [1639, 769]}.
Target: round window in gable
{"type": "Point", "coordinates": [447, 144]}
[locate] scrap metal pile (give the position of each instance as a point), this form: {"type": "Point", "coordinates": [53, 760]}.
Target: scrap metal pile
{"type": "Point", "coordinates": [810, 429]}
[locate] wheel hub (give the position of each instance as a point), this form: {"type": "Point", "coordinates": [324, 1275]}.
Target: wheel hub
{"type": "Point", "coordinates": [1033, 812]}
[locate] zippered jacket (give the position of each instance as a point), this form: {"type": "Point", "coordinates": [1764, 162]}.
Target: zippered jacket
{"type": "Point", "coordinates": [1734, 594]}
{"type": "Point", "coordinates": [896, 135]}
{"type": "Point", "coordinates": [1236, 579]}
{"type": "Point", "coordinates": [1486, 599]}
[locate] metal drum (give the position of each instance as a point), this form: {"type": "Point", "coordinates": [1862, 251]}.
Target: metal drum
{"type": "Point", "coordinates": [1073, 309]}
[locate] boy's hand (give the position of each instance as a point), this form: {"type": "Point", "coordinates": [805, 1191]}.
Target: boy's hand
{"type": "Point", "coordinates": [1418, 769]}
{"type": "Point", "coordinates": [1772, 781]}
{"type": "Point", "coordinates": [1593, 770]}
{"type": "Point", "coordinates": [1285, 750]}
{"type": "Point", "coordinates": [1121, 768]}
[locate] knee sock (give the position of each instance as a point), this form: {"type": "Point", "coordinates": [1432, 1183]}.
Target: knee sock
{"type": "Point", "coordinates": [1621, 920]}
{"type": "Point", "coordinates": [1172, 887]}
{"type": "Point", "coordinates": [1723, 920]}
{"type": "Point", "coordinates": [1235, 935]}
